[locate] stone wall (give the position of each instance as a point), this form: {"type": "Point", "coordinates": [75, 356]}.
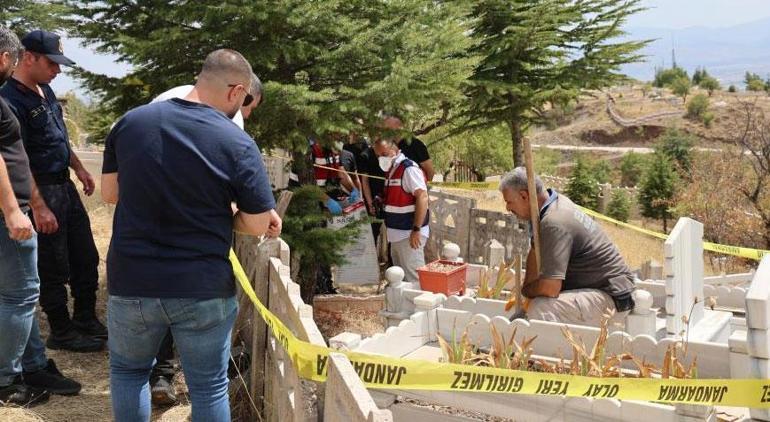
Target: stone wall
{"type": "Point", "coordinates": [455, 219]}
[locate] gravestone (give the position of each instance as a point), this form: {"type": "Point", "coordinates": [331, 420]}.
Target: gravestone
{"type": "Point", "coordinates": [758, 329]}
{"type": "Point", "coordinates": [684, 276]}
{"type": "Point", "coordinates": [361, 266]}
{"type": "Point", "coordinates": [651, 270]}
{"type": "Point", "coordinates": [494, 253]}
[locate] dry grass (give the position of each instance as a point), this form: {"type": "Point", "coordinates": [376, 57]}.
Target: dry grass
{"type": "Point", "coordinates": [19, 415]}
{"type": "Point", "coordinates": [333, 323]}
{"type": "Point", "coordinates": [591, 116]}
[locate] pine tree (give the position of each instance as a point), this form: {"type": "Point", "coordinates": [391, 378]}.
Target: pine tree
{"type": "Point", "coordinates": [699, 75]}
{"type": "Point", "coordinates": [658, 189]}
{"type": "Point", "coordinates": [753, 82]}
{"type": "Point", "coordinates": [22, 16]}
{"type": "Point", "coordinates": [677, 146]}
{"type": "Point", "coordinates": [631, 169]}
{"type": "Point", "coordinates": [619, 206]}
{"type": "Point", "coordinates": [583, 189]}
{"type": "Point", "coordinates": [325, 63]}
{"type": "Point", "coordinates": [536, 53]}
{"type": "Point", "coordinates": [313, 245]}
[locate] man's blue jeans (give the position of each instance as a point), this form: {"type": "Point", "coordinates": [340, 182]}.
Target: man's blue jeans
{"type": "Point", "coordinates": [20, 344]}
{"type": "Point", "coordinates": [201, 330]}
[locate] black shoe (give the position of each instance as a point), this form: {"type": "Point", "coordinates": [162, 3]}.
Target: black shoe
{"type": "Point", "coordinates": [91, 328]}
{"type": "Point", "coordinates": [51, 380]}
{"type": "Point", "coordinates": [19, 394]}
{"type": "Point", "coordinates": [163, 392]}
{"type": "Point", "coordinates": [74, 342]}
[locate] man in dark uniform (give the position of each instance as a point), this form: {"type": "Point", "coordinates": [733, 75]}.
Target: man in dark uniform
{"type": "Point", "coordinates": [67, 253]}
{"type": "Point", "coordinates": [26, 375]}
{"type": "Point", "coordinates": [413, 148]}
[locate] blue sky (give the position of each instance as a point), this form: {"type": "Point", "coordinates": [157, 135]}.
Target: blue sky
{"type": "Point", "coordinates": [674, 14]}
{"type": "Point", "coordinates": [677, 14]}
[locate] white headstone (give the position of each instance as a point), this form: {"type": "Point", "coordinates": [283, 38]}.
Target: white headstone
{"type": "Point", "coordinates": [494, 253]}
{"type": "Point", "coordinates": [684, 275]}
{"type": "Point", "coordinates": [361, 254]}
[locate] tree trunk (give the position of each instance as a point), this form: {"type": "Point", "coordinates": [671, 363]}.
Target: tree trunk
{"type": "Point", "coordinates": [665, 225]}
{"type": "Point", "coordinates": [517, 149]}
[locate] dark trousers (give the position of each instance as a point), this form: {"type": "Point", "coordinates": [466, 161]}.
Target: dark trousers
{"type": "Point", "coordinates": [67, 256]}
{"type": "Point", "coordinates": [164, 365]}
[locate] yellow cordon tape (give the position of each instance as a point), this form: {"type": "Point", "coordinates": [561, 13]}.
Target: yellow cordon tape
{"type": "Point", "coordinates": [749, 253]}
{"type": "Point", "coordinates": [755, 254]}
{"type": "Point", "coordinates": [384, 372]}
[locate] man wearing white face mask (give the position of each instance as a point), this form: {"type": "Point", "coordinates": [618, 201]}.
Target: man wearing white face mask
{"type": "Point", "coordinates": [406, 207]}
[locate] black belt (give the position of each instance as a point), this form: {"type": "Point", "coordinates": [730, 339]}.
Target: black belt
{"type": "Point", "coordinates": [624, 302]}
{"type": "Point", "coordinates": [52, 178]}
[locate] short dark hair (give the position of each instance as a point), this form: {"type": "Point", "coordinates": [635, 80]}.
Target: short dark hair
{"type": "Point", "coordinates": [9, 42]}
{"type": "Point", "coordinates": [256, 85]}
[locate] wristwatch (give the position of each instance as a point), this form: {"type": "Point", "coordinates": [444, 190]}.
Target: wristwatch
{"type": "Point", "coordinates": [415, 228]}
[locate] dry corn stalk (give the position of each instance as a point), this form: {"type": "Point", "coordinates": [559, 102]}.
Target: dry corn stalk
{"type": "Point", "coordinates": [503, 277]}
{"type": "Point", "coordinates": [457, 352]}
{"type": "Point", "coordinates": [511, 354]}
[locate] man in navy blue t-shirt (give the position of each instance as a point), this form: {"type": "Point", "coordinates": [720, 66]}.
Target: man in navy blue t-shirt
{"type": "Point", "coordinates": [173, 168]}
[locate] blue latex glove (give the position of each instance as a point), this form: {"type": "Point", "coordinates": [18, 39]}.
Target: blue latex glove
{"type": "Point", "coordinates": [333, 207]}
{"type": "Point", "coordinates": [355, 196]}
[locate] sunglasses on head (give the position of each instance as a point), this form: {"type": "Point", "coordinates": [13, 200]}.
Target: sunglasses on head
{"type": "Point", "coordinates": [246, 100]}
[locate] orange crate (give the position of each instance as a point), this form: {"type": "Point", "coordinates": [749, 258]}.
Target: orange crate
{"type": "Point", "coordinates": [449, 283]}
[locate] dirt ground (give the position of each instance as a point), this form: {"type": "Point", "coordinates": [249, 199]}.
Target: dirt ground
{"type": "Point", "coordinates": [90, 369]}
{"type": "Point", "coordinates": [590, 123]}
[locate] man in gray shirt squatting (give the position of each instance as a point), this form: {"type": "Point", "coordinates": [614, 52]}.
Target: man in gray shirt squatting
{"type": "Point", "coordinates": [582, 275]}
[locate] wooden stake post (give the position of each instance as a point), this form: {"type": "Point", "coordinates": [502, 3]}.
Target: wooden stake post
{"type": "Point", "coordinates": [534, 210]}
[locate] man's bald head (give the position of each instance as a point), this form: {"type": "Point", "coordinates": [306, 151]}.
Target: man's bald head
{"type": "Point", "coordinates": [224, 82]}
{"type": "Point", "coordinates": [226, 66]}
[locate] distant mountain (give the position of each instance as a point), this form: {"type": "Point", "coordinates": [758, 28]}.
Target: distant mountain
{"type": "Point", "coordinates": [727, 53]}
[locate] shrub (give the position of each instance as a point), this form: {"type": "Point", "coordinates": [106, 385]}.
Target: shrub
{"type": "Point", "coordinates": [697, 107]}
{"type": "Point", "coordinates": [665, 77]}
{"type": "Point", "coordinates": [732, 88]}
{"type": "Point", "coordinates": [619, 206]}
{"type": "Point", "coordinates": [681, 87]}
{"type": "Point", "coordinates": [710, 84]}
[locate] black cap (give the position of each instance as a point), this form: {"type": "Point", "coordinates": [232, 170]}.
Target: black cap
{"type": "Point", "coordinates": [48, 43]}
